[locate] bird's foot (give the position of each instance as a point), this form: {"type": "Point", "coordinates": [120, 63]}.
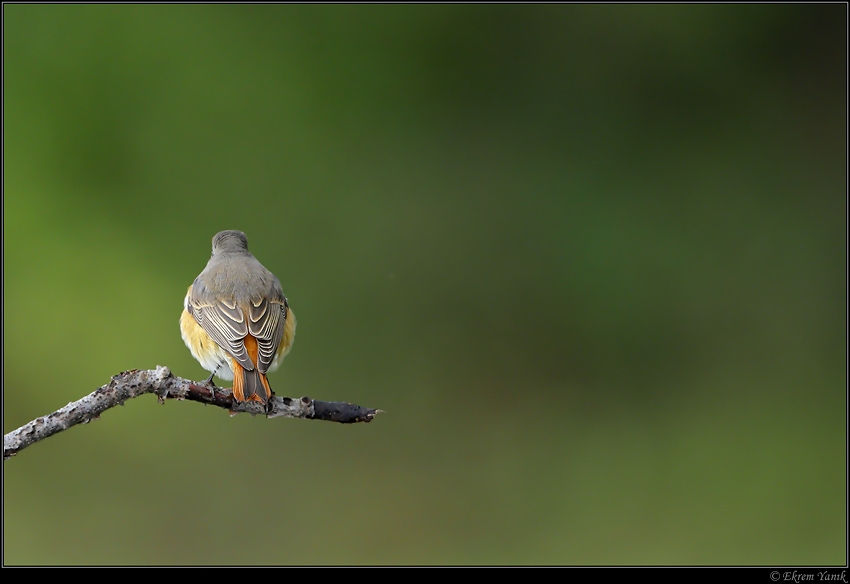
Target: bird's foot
{"type": "Point", "coordinates": [210, 385]}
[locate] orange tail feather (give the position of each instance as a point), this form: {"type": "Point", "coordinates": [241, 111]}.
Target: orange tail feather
{"type": "Point", "coordinates": [250, 385]}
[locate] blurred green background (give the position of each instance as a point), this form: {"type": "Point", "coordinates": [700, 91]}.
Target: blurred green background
{"type": "Point", "coordinates": [589, 259]}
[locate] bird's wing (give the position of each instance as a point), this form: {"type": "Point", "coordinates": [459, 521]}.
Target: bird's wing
{"type": "Point", "coordinates": [266, 320]}
{"type": "Point", "coordinates": [224, 322]}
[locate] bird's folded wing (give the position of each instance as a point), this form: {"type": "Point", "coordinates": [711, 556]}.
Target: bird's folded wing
{"type": "Point", "coordinates": [266, 320]}
{"type": "Point", "coordinates": [224, 322]}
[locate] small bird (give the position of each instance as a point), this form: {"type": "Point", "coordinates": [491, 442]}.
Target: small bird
{"type": "Point", "coordinates": [236, 321]}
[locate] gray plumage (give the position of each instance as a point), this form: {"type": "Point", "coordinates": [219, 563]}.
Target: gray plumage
{"type": "Point", "coordinates": [235, 295]}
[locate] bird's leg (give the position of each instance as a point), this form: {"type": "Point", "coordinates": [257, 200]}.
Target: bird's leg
{"type": "Point", "coordinates": [269, 405]}
{"type": "Point", "coordinates": [210, 385]}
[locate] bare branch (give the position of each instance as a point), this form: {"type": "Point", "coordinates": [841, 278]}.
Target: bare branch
{"type": "Point", "coordinates": [161, 382]}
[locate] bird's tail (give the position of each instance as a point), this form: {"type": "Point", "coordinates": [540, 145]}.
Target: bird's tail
{"type": "Point", "coordinates": [251, 385]}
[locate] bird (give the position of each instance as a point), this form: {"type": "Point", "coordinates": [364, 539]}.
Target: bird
{"type": "Point", "coordinates": [236, 320]}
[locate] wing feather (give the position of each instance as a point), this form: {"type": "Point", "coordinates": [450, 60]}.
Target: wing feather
{"type": "Point", "coordinates": [228, 323]}
{"type": "Point", "coordinates": [225, 323]}
{"type": "Point", "coordinates": [266, 319]}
